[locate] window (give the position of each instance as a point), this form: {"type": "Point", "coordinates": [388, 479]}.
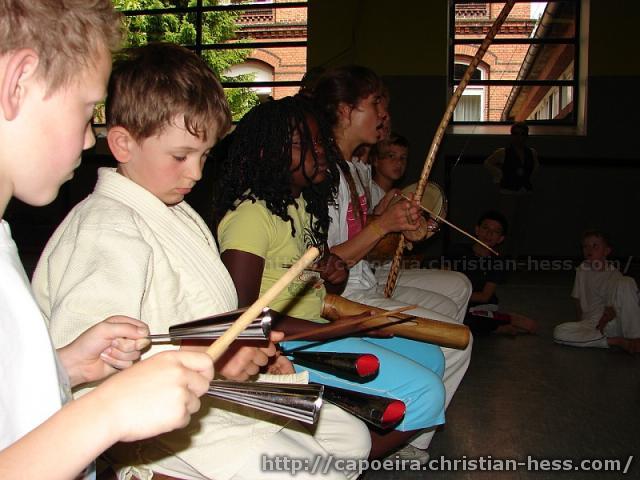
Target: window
{"type": "Point", "coordinates": [257, 48]}
{"type": "Point", "coordinates": [529, 72]}
{"type": "Point", "coordinates": [471, 106]}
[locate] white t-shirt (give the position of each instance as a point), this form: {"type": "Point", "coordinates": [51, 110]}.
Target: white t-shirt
{"type": "Point", "coordinates": [594, 289]}
{"type": "Point", "coordinates": [377, 194]}
{"type": "Point", "coordinates": [31, 379]}
{"type": "Point", "coordinates": [361, 277]}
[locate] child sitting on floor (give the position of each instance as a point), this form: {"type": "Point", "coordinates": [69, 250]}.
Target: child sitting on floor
{"type": "Point", "coordinates": [606, 301]}
{"type": "Point", "coordinates": [486, 272]}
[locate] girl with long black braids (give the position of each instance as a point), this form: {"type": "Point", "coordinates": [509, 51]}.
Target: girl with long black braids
{"type": "Point", "coordinates": [275, 185]}
{"type": "Point", "coordinates": [282, 177]}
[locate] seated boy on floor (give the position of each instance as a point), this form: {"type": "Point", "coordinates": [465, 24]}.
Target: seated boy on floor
{"type": "Point", "coordinates": [134, 247]}
{"type": "Point", "coordinates": [606, 301]}
{"type": "Point", "coordinates": [486, 272]}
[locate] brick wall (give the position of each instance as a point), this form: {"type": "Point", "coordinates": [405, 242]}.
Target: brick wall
{"type": "Point", "coordinates": [287, 63]}
{"type": "Point", "coordinates": [501, 62]}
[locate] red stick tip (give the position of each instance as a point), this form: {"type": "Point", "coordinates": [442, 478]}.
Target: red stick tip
{"type": "Point", "coordinates": [394, 412]}
{"type": "Point", "coordinates": [367, 365]}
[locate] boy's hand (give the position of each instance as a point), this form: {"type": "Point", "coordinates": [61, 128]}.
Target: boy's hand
{"type": "Point", "coordinates": [608, 315]}
{"type": "Point", "coordinates": [241, 360]}
{"type": "Point", "coordinates": [111, 345]}
{"type": "Point", "coordinates": [156, 395]}
{"type": "Point", "coordinates": [280, 365]}
{"type": "Point", "coordinates": [385, 201]}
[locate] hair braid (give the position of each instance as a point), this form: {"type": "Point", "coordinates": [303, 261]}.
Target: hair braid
{"type": "Point", "coordinates": [258, 163]}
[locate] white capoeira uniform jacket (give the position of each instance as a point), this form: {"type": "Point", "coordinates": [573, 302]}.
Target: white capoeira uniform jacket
{"type": "Point", "coordinates": [121, 251]}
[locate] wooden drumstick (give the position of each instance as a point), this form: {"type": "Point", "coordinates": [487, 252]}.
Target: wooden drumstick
{"type": "Point", "coordinates": [217, 348]}
{"type": "Point", "coordinates": [440, 219]}
{"type": "Point", "coordinates": [352, 322]}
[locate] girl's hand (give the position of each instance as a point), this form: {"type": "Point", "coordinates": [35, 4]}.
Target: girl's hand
{"type": "Point", "coordinates": [334, 270]}
{"type": "Point", "coordinates": [111, 345]}
{"type": "Point", "coordinates": [400, 216]}
{"type": "Point", "coordinates": [432, 226]}
{"type": "Point", "coordinates": [242, 360]}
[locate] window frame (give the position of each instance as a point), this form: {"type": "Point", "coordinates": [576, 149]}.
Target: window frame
{"type": "Point", "coordinates": [199, 10]}
{"type": "Point", "coordinates": [478, 91]}
{"type": "Point", "coordinates": [576, 122]}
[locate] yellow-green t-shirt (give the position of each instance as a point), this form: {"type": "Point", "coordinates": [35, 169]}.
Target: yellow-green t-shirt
{"type": "Point", "coordinates": [254, 229]}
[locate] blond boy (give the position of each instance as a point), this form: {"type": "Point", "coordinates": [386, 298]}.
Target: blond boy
{"type": "Point", "coordinates": [606, 301]}
{"type": "Point", "coordinates": [54, 63]}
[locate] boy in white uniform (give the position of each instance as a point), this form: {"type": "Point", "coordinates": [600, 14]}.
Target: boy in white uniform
{"type": "Point", "coordinates": [606, 302]}
{"type": "Point", "coordinates": [134, 246]}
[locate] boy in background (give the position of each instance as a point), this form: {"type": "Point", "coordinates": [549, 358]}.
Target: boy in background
{"type": "Point", "coordinates": [486, 272]}
{"type": "Point", "coordinates": [606, 302]}
{"type": "Point", "coordinates": [389, 161]}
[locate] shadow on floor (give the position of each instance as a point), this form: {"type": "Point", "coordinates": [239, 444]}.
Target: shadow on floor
{"type": "Point", "coordinates": [528, 397]}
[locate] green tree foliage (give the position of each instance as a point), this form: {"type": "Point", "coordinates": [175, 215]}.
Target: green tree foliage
{"type": "Point", "coordinates": [217, 27]}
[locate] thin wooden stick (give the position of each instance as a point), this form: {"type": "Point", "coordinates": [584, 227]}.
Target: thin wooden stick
{"type": "Point", "coordinates": [443, 220]}
{"type": "Point", "coordinates": [218, 347]}
{"type": "Point", "coordinates": [345, 323]}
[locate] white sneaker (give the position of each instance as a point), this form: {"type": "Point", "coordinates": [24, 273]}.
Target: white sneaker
{"type": "Point", "coordinates": [409, 452]}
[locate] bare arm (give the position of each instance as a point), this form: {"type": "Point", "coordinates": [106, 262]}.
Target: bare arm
{"type": "Point", "coordinates": [398, 217]}
{"type": "Point", "coordinates": [246, 272]}
{"type": "Point", "coordinates": [608, 314]}
{"type": "Point", "coordinates": [151, 398]}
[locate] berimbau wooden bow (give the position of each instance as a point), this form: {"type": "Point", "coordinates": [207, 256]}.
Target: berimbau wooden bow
{"type": "Point", "coordinates": [437, 139]}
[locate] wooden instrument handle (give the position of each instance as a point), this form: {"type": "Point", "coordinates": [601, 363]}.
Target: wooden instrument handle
{"type": "Point", "coordinates": [444, 334]}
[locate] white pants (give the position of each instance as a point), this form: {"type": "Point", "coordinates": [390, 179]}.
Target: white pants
{"type": "Point", "coordinates": [338, 435]}
{"type": "Point", "coordinates": [442, 295]}
{"type": "Point", "coordinates": [444, 291]}
{"type": "Point", "coordinates": [272, 456]}
{"type": "Point", "coordinates": [625, 324]}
